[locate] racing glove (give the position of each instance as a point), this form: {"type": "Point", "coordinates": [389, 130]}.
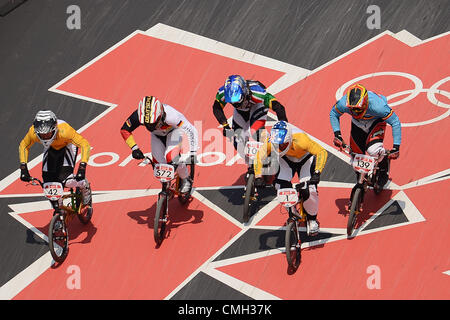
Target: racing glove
{"type": "Point", "coordinates": [24, 174]}
{"type": "Point", "coordinates": [394, 153]}
{"type": "Point", "coordinates": [137, 154]}
{"type": "Point", "coordinates": [338, 141]}
{"type": "Point", "coordinates": [315, 178]}
{"type": "Point", "coordinates": [81, 173]}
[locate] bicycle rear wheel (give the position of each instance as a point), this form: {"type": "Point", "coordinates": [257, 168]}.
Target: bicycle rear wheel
{"type": "Point", "coordinates": [159, 225]}
{"type": "Point", "coordinates": [249, 194]}
{"type": "Point", "coordinates": [293, 245]}
{"type": "Point", "coordinates": [58, 239]}
{"type": "Point", "coordinates": [354, 210]}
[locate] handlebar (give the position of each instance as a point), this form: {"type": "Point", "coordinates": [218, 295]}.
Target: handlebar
{"type": "Point", "coordinates": [347, 150]}
{"type": "Point", "coordinates": [37, 182]}
{"type": "Point", "coordinates": [34, 180]}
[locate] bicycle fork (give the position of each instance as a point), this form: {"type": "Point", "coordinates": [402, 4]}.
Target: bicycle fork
{"type": "Point", "coordinates": [293, 217]}
{"type": "Point", "coordinates": [164, 194]}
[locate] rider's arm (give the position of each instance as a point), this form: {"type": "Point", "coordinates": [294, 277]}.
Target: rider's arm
{"type": "Point", "coordinates": [336, 112]}
{"type": "Point", "coordinates": [304, 142]}
{"type": "Point", "coordinates": [394, 121]}
{"type": "Point", "coordinates": [218, 113]}
{"type": "Point", "coordinates": [272, 103]}
{"type": "Point", "coordinates": [176, 119]}
{"type": "Point", "coordinates": [29, 139]}
{"type": "Point", "coordinates": [391, 117]}
{"type": "Point", "coordinates": [381, 109]}
{"type": "Point", "coordinates": [128, 127]}
{"type": "Point", "coordinates": [65, 131]}
{"type": "Point", "coordinates": [219, 104]}
{"type": "Point", "coordinates": [279, 110]}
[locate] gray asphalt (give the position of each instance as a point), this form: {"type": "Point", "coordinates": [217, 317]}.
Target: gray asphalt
{"type": "Point", "coordinates": [37, 50]}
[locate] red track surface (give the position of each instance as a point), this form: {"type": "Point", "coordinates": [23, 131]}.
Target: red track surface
{"type": "Point", "coordinates": [116, 254]}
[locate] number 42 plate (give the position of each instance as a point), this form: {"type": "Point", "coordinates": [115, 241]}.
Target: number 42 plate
{"type": "Point", "coordinates": [53, 190]}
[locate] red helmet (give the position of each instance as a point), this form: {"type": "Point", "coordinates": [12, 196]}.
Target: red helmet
{"type": "Point", "coordinates": [357, 100]}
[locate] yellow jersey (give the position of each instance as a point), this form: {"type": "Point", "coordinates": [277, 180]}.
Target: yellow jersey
{"type": "Point", "coordinates": [300, 146]}
{"type": "Point", "coordinates": [64, 136]}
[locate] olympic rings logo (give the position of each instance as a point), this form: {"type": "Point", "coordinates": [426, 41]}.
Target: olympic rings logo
{"type": "Point", "coordinates": [412, 93]}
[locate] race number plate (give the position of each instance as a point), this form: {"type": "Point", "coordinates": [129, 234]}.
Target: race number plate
{"type": "Point", "coordinates": [363, 163]}
{"type": "Point", "coordinates": [287, 197]}
{"type": "Point", "coordinates": [53, 190]}
{"type": "Point", "coordinates": [164, 172]}
{"type": "Point", "coordinates": [251, 148]}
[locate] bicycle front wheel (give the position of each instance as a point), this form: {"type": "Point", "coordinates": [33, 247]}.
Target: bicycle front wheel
{"type": "Point", "coordinates": [293, 245]}
{"type": "Point", "coordinates": [159, 225]}
{"type": "Point", "coordinates": [248, 197]}
{"type": "Point", "coordinates": [354, 210]}
{"type": "Point", "coordinates": [58, 238]}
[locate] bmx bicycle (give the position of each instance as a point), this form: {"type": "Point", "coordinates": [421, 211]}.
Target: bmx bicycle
{"type": "Point", "coordinates": [368, 175]}
{"type": "Point", "coordinates": [167, 175]}
{"type": "Point", "coordinates": [65, 207]}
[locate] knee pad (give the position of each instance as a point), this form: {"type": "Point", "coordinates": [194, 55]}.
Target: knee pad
{"type": "Point", "coordinates": [376, 150]}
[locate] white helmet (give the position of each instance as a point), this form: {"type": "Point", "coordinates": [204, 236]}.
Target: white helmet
{"type": "Point", "coordinates": [45, 126]}
{"type": "Point", "coordinates": [151, 112]}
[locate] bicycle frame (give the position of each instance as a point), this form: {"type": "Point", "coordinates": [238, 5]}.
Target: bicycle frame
{"type": "Point", "coordinates": [58, 204]}
{"type": "Point", "coordinates": [365, 179]}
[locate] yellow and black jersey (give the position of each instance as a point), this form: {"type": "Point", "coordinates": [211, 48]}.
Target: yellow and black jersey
{"type": "Point", "coordinates": [300, 146]}
{"type": "Point", "coordinates": [64, 136]}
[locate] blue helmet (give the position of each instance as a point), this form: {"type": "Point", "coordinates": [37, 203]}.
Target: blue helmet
{"type": "Point", "coordinates": [281, 137]}
{"type": "Point", "coordinates": [235, 89]}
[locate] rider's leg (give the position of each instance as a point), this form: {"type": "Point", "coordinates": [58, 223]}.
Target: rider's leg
{"type": "Point", "coordinates": [284, 177]}
{"type": "Point", "coordinates": [375, 149]}
{"type": "Point", "coordinates": [310, 196]}
{"type": "Point", "coordinates": [58, 165]}
{"type": "Point", "coordinates": [173, 155]}
{"type": "Point", "coordinates": [240, 127]}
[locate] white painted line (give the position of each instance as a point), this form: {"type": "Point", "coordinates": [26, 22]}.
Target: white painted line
{"type": "Point", "coordinates": [243, 287]}
{"type": "Point", "coordinates": [409, 209]}
{"type": "Point", "coordinates": [407, 38]}
{"type": "Point", "coordinates": [211, 205]}
{"type": "Point", "coordinates": [91, 62]}
{"type": "Point", "coordinates": [14, 286]}
{"type": "Point", "coordinates": [427, 180]}
{"type": "Point", "coordinates": [219, 188]}
{"type": "Point", "coordinates": [447, 272]}
{"type": "Point", "coordinates": [192, 40]}
{"type": "Point", "coordinates": [204, 266]}
{"type": "Point", "coordinates": [29, 226]}
{"type": "Point", "coordinates": [97, 197]}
